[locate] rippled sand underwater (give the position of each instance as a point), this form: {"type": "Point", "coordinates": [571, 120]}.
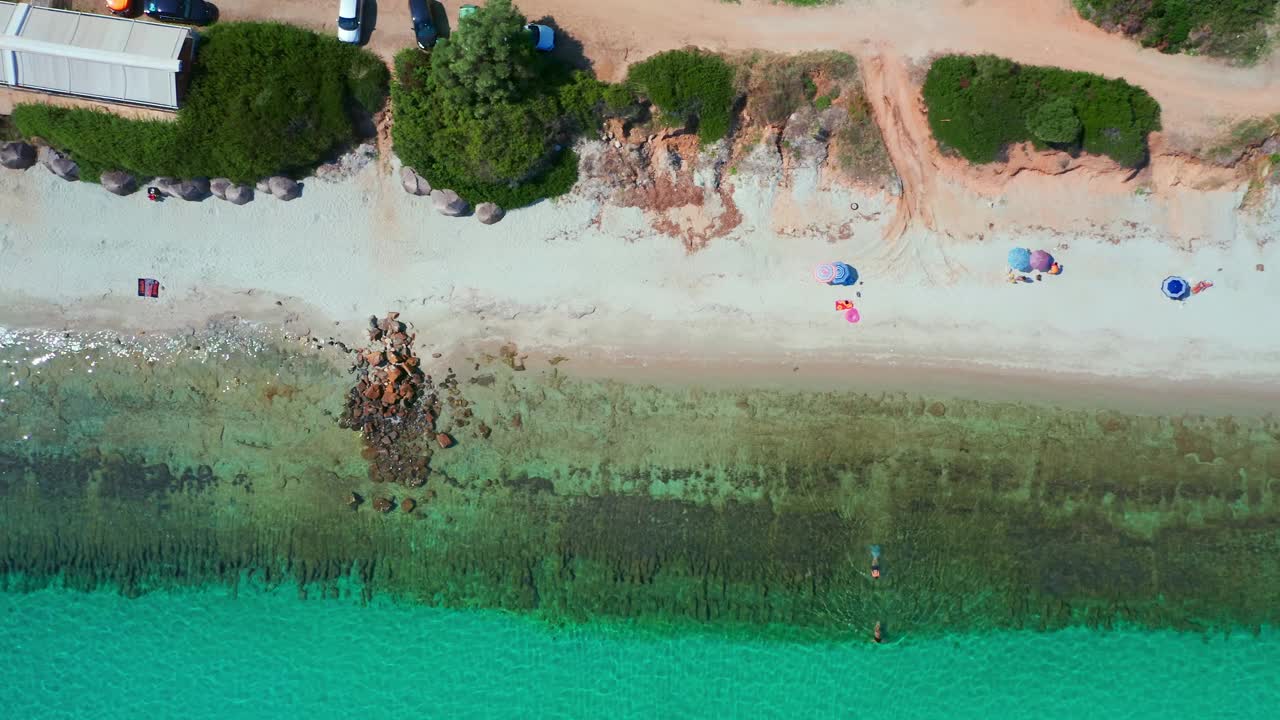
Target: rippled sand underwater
{"type": "Point", "coordinates": [148, 465]}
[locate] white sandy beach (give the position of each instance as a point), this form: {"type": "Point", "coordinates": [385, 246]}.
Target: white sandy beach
{"type": "Point", "coordinates": [615, 293]}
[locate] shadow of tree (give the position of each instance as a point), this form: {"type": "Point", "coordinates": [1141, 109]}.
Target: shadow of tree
{"type": "Point", "coordinates": [568, 47]}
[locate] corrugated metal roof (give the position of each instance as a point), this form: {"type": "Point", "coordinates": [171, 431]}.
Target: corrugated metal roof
{"type": "Point", "coordinates": [93, 55]}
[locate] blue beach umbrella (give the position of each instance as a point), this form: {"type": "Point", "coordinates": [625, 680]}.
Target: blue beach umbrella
{"type": "Point", "coordinates": [1020, 259]}
{"type": "Point", "coordinates": [845, 274]}
{"type": "Point", "coordinates": [1176, 288]}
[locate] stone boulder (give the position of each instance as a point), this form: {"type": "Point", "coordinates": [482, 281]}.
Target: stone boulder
{"type": "Point", "coordinates": [489, 213]}
{"type": "Point", "coordinates": [264, 186]}
{"type": "Point", "coordinates": [218, 186]}
{"type": "Point", "coordinates": [238, 194]}
{"type": "Point", "coordinates": [192, 190]}
{"type": "Point", "coordinates": [413, 183]}
{"type": "Point", "coordinates": [283, 188]}
{"type": "Point", "coordinates": [17, 155]}
{"type": "Point", "coordinates": [59, 164]}
{"type": "Point", "coordinates": [448, 203]}
{"type": "Point", "coordinates": [118, 182]}
{"type": "Point", "coordinates": [166, 185]}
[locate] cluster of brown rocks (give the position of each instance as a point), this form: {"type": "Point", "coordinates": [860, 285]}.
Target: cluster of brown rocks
{"type": "Point", "coordinates": [393, 405]}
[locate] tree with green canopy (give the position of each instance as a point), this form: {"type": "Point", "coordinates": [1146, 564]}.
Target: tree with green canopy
{"type": "Point", "coordinates": [1055, 121]}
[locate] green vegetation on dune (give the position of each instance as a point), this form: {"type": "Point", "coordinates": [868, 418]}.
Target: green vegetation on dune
{"type": "Point", "coordinates": [265, 99]}
{"type": "Point", "coordinates": [1224, 28]}
{"type": "Point", "coordinates": [487, 116]}
{"type": "Point", "coordinates": [978, 105]}
{"type": "Point", "coordinates": [690, 87]}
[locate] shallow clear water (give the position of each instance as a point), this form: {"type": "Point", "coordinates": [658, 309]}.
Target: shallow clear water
{"type": "Point", "coordinates": [267, 654]}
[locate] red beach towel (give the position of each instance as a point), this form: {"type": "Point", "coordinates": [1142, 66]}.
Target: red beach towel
{"type": "Point", "coordinates": [148, 287]}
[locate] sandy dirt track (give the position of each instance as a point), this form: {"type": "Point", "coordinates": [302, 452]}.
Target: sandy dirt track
{"type": "Point", "coordinates": [1197, 94]}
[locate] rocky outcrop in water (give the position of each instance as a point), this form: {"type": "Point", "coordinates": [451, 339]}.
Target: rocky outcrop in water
{"type": "Point", "coordinates": [393, 404]}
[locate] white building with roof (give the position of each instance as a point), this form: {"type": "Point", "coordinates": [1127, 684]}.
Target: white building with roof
{"type": "Point", "coordinates": [94, 56]}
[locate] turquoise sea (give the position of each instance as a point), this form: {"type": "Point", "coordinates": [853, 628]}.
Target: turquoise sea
{"type": "Point", "coordinates": [208, 654]}
{"type": "Point", "coordinates": [592, 549]}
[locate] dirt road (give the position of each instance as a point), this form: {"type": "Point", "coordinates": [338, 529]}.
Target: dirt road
{"type": "Point", "coordinates": [1196, 93]}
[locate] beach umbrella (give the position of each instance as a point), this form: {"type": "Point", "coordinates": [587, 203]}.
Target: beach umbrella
{"type": "Point", "coordinates": [1175, 288]}
{"type": "Point", "coordinates": [824, 272]}
{"type": "Point", "coordinates": [845, 274]}
{"type": "Point", "coordinates": [1020, 259]}
{"type": "Point", "coordinates": [1041, 261]}
{"type": "Point", "coordinates": [852, 315]}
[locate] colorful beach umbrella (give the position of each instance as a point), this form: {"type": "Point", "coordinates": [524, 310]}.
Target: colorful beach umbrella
{"type": "Point", "coordinates": [824, 272]}
{"type": "Point", "coordinates": [1020, 259]}
{"type": "Point", "coordinates": [852, 315]}
{"type": "Point", "coordinates": [1041, 261]}
{"type": "Point", "coordinates": [1176, 288]}
{"type": "Point", "coordinates": [845, 274]}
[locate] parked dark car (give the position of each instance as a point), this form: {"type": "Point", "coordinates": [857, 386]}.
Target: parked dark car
{"type": "Point", "coordinates": [191, 12]}
{"type": "Point", "coordinates": [424, 30]}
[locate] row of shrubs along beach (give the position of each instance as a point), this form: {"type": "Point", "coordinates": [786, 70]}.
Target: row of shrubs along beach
{"type": "Point", "coordinates": [269, 103]}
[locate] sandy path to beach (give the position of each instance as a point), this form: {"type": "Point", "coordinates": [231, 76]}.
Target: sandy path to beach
{"type": "Point", "coordinates": [1195, 93]}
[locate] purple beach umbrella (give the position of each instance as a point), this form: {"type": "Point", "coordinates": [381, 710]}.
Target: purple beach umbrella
{"type": "Point", "coordinates": [1041, 261]}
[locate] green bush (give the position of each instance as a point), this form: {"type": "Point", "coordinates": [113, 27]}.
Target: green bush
{"type": "Point", "coordinates": [690, 86]}
{"type": "Point", "coordinates": [488, 119]}
{"type": "Point", "coordinates": [1225, 28]}
{"type": "Point", "coordinates": [1055, 121]}
{"type": "Point", "coordinates": [265, 98]}
{"type": "Point", "coordinates": [978, 105]}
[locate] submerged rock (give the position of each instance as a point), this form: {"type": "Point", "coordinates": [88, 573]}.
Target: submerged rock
{"type": "Point", "coordinates": [17, 155]}
{"type": "Point", "coordinates": [383, 505]}
{"type": "Point", "coordinates": [407, 505]}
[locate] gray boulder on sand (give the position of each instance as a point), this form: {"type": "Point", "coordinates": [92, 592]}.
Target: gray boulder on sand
{"type": "Point", "coordinates": [238, 194]}
{"type": "Point", "coordinates": [448, 203]}
{"type": "Point", "coordinates": [119, 182]}
{"type": "Point", "coordinates": [283, 188]}
{"type": "Point", "coordinates": [224, 189]}
{"type": "Point", "coordinates": [413, 183]}
{"type": "Point", "coordinates": [17, 155]}
{"type": "Point", "coordinates": [59, 164]}
{"type": "Point", "coordinates": [218, 186]}
{"type": "Point", "coordinates": [189, 190]}
{"type": "Point", "coordinates": [488, 213]}
{"type": "Point", "coordinates": [264, 186]}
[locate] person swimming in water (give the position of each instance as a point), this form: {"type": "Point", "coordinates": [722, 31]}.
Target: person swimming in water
{"type": "Point", "coordinates": [875, 562]}
{"type": "Point", "coordinates": [876, 635]}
